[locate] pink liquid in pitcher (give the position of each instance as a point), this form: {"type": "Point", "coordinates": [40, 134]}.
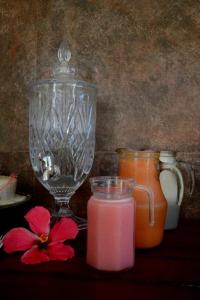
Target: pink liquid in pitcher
{"type": "Point", "coordinates": [110, 243]}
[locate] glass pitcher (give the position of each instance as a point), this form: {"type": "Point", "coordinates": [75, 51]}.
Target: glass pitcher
{"type": "Point", "coordinates": [142, 166]}
{"type": "Point", "coordinates": [111, 222]}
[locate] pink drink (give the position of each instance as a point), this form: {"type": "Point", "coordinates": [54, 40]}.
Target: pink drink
{"type": "Point", "coordinates": [110, 243]}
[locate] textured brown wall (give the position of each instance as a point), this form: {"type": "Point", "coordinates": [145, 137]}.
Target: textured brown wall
{"type": "Point", "coordinates": [144, 56]}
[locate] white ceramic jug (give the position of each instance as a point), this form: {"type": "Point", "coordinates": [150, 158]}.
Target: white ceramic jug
{"type": "Point", "coordinates": [172, 184]}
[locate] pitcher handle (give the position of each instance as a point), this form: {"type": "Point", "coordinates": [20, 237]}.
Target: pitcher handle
{"type": "Point", "coordinates": [179, 177]}
{"type": "Point", "coordinates": [191, 171]}
{"type": "Point", "coordinates": [150, 194]}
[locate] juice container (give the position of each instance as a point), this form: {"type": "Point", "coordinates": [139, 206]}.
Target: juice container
{"type": "Point", "coordinates": [143, 167]}
{"type": "Point", "coordinates": [111, 223]}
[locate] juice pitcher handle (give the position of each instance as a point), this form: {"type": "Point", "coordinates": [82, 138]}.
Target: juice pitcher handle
{"type": "Point", "coordinates": [150, 194]}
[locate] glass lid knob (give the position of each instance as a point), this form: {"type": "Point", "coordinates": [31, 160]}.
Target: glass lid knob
{"type": "Point", "coordinates": [64, 53]}
{"type": "Point", "coordinates": [63, 68]}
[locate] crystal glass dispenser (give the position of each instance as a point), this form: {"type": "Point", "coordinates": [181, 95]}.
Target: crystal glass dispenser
{"type": "Point", "coordinates": [62, 117]}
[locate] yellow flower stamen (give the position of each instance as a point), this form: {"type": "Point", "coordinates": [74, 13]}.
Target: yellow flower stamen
{"type": "Point", "coordinates": [43, 237]}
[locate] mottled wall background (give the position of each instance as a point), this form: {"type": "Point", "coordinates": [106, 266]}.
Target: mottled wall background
{"type": "Point", "coordinates": [143, 55]}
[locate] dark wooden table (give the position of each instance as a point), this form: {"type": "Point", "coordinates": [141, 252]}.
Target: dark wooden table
{"type": "Point", "coordinates": [170, 271]}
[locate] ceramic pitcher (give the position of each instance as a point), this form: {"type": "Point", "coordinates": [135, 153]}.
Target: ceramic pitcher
{"type": "Point", "coordinates": [142, 166]}
{"type": "Point", "coordinates": [172, 184]}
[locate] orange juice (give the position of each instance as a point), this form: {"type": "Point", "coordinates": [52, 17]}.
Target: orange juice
{"type": "Point", "coordinates": [142, 166]}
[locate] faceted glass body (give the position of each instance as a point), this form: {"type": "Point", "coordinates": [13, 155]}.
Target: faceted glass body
{"type": "Point", "coordinates": [62, 116]}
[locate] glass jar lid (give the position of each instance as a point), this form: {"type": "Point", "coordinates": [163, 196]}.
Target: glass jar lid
{"type": "Point", "coordinates": [64, 72]}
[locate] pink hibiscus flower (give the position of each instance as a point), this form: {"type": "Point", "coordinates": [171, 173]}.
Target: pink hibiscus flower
{"type": "Point", "coordinates": [42, 244]}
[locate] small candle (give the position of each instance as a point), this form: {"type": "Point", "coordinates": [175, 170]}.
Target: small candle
{"type": "Point", "coordinates": [110, 238]}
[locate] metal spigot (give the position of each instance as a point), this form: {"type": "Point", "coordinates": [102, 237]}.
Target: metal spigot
{"type": "Point", "coordinates": [48, 168]}
{"type": "Point", "coordinates": [47, 174]}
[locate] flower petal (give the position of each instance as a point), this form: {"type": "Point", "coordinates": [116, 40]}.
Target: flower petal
{"type": "Point", "coordinates": [39, 220]}
{"type": "Point", "coordinates": [34, 256]}
{"type": "Point", "coordinates": [63, 230]}
{"type": "Point", "coordinates": [19, 239]}
{"type": "Point", "coordinates": [59, 251]}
